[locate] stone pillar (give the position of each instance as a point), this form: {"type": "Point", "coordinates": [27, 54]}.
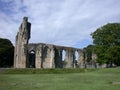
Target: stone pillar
{"type": "Point", "coordinates": [23, 57]}
{"type": "Point", "coordinates": [25, 29]}
{"type": "Point", "coordinates": [80, 59]}
{"type": "Point", "coordinates": [69, 58]}
{"type": "Point", "coordinates": [48, 57]}
{"type": "Point", "coordinates": [22, 39]}
{"type": "Point", "coordinates": [16, 53]}
{"type": "Point", "coordinates": [94, 57]}
{"type": "Point", "coordinates": [18, 50]}
{"type": "Point", "coordinates": [58, 58]}
{"type": "Point", "coordinates": [38, 58]}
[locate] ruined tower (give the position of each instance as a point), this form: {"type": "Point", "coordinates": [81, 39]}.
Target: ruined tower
{"type": "Point", "coordinates": [22, 39]}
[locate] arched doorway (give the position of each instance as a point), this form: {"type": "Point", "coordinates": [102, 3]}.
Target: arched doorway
{"type": "Point", "coordinates": [32, 59]}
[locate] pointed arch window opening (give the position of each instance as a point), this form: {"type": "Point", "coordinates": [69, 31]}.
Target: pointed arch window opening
{"type": "Point", "coordinates": [76, 55]}
{"type": "Point", "coordinates": [32, 59]}
{"type": "Point", "coordinates": [63, 55]}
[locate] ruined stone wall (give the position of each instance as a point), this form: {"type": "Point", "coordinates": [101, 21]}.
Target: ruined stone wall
{"type": "Point", "coordinates": [81, 61]}
{"type": "Point", "coordinates": [44, 55]}
{"type": "Point", "coordinates": [21, 40]}
{"type": "Point", "coordinates": [50, 56]}
{"type": "Point", "coordinates": [40, 55]}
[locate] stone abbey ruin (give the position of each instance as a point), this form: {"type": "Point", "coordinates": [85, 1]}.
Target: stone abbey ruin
{"type": "Point", "coordinates": [42, 55]}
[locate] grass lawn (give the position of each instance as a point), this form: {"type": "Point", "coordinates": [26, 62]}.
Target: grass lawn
{"type": "Point", "coordinates": [100, 79]}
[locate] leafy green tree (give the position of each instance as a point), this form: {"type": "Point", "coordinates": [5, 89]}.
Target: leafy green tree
{"type": "Point", "coordinates": [6, 53]}
{"type": "Point", "coordinates": [107, 43]}
{"type": "Point", "coordinates": [89, 50]}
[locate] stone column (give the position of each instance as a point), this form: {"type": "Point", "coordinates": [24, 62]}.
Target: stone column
{"type": "Point", "coordinates": [16, 52]}
{"type": "Point", "coordinates": [23, 58]}
{"type": "Point", "coordinates": [38, 58]}
{"type": "Point", "coordinates": [19, 51]}
{"type": "Point", "coordinates": [22, 39]}
{"type": "Point", "coordinates": [48, 57]}
{"type": "Point", "coordinates": [69, 58]}
{"type": "Point", "coordinates": [94, 57]}
{"type": "Point", "coordinates": [80, 59]}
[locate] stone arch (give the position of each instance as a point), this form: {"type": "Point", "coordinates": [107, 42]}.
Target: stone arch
{"type": "Point", "coordinates": [31, 60]}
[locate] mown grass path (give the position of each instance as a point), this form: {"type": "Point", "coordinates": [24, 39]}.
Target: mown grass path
{"type": "Point", "coordinates": [101, 79]}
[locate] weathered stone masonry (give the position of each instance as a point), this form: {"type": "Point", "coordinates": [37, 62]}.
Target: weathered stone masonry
{"type": "Point", "coordinates": [22, 39]}
{"type": "Point", "coordinates": [41, 55]}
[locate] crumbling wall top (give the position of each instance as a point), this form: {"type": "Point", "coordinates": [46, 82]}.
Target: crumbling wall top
{"type": "Point", "coordinates": [35, 45]}
{"type": "Point", "coordinates": [25, 19]}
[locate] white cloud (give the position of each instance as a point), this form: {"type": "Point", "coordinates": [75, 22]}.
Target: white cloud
{"type": "Point", "coordinates": [61, 22]}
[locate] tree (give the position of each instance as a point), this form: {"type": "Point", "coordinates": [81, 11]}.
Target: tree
{"type": "Point", "coordinates": [89, 50]}
{"type": "Point", "coordinates": [6, 53]}
{"type": "Point", "coordinates": [107, 43]}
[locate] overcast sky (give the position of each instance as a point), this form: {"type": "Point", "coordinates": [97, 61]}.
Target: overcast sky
{"type": "Point", "coordinates": [60, 22]}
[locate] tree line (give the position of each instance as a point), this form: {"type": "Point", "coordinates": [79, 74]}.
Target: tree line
{"type": "Point", "coordinates": [106, 45]}
{"type": "Point", "coordinates": [6, 53]}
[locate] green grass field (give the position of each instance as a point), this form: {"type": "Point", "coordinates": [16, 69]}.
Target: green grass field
{"type": "Point", "coordinates": [99, 79]}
